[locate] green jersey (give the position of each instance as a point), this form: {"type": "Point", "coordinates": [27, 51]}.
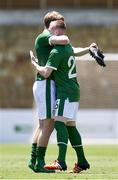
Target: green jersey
{"type": "Point", "coordinates": [42, 48]}
{"type": "Point", "coordinates": [62, 60]}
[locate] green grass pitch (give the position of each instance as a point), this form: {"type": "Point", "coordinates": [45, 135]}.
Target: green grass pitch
{"type": "Point", "coordinates": [103, 160]}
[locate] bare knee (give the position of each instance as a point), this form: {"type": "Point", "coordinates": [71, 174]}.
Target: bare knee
{"type": "Point", "coordinates": [71, 123]}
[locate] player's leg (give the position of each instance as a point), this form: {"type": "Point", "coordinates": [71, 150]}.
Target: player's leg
{"type": "Point", "coordinates": [62, 142]}
{"type": "Point", "coordinates": [62, 137]}
{"type": "Point", "coordinates": [76, 140]}
{"type": "Point", "coordinates": [43, 138]}
{"type": "Point", "coordinates": [45, 100]}
{"type": "Point", "coordinates": [62, 133]}
{"type": "Point", "coordinates": [32, 161]}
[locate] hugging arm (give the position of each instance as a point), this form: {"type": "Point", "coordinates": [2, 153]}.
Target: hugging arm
{"type": "Point", "coordinates": [43, 70]}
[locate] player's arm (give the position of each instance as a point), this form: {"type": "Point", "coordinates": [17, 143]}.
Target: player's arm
{"type": "Point", "coordinates": [82, 51]}
{"type": "Point", "coordinates": [61, 40]}
{"type": "Point", "coordinates": [43, 70]}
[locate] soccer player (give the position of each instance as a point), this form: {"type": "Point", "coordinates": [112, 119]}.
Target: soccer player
{"type": "Point", "coordinates": [44, 90]}
{"type": "Point", "coordinates": [61, 62]}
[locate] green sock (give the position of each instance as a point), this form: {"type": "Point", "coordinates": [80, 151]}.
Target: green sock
{"type": "Point", "coordinates": [62, 140]}
{"type": "Point", "coordinates": [33, 153]}
{"type": "Point", "coordinates": [76, 142]}
{"type": "Point", "coordinates": [40, 155]}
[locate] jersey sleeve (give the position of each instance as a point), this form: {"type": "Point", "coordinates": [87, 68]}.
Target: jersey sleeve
{"type": "Point", "coordinates": [54, 59]}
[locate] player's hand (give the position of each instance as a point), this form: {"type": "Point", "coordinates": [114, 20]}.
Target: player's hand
{"type": "Point", "coordinates": [33, 59]}
{"type": "Point", "coordinates": [97, 54]}
{"type": "Point", "coordinates": [93, 45]}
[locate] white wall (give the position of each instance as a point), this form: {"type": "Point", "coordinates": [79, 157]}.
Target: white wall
{"type": "Point", "coordinates": [16, 125]}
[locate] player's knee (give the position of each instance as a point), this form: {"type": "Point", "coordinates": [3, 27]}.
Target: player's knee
{"type": "Point", "coordinates": [71, 123]}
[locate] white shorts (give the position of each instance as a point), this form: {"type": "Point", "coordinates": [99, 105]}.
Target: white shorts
{"type": "Point", "coordinates": [44, 95]}
{"type": "Point", "coordinates": [65, 110]}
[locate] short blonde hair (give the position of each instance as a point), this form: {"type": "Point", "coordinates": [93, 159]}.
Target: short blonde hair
{"type": "Point", "coordinates": [52, 16]}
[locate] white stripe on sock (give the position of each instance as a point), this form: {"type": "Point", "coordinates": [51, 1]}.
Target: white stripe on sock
{"type": "Point", "coordinates": [62, 143]}
{"type": "Point", "coordinates": [77, 145]}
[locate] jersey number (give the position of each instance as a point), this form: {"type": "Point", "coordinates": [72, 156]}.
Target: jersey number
{"type": "Point", "coordinates": [71, 65]}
